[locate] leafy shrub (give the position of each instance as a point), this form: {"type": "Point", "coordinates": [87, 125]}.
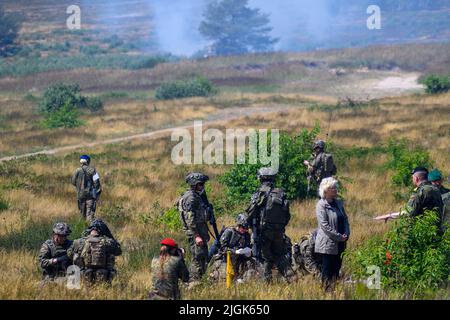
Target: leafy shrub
{"type": "Point", "coordinates": [56, 96]}
{"type": "Point", "coordinates": [241, 180]}
{"type": "Point", "coordinates": [65, 117]}
{"type": "Point", "coordinates": [94, 104]}
{"type": "Point", "coordinates": [436, 84]}
{"type": "Point", "coordinates": [197, 87]}
{"type": "Point", "coordinates": [403, 158]}
{"type": "Point", "coordinates": [415, 256]}
{"type": "Point", "coordinates": [170, 219]}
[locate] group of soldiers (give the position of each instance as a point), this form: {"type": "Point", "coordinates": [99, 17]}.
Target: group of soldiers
{"type": "Point", "coordinates": [253, 255]}
{"type": "Point", "coordinates": [95, 251]}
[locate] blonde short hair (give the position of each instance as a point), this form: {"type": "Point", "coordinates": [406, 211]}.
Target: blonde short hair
{"type": "Point", "coordinates": [326, 184]}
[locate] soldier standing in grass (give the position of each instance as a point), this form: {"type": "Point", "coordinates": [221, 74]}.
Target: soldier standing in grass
{"type": "Point", "coordinates": [53, 257]}
{"type": "Point", "coordinates": [321, 164]}
{"type": "Point", "coordinates": [268, 215]}
{"type": "Point", "coordinates": [167, 270]}
{"type": "Point", "coordinates": [87, 182]}
{"type": "Point", "coordinates": [195, 215]}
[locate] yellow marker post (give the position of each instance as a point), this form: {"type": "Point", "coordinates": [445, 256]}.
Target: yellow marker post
{"type": "Point", "coordinates": [230, 270]}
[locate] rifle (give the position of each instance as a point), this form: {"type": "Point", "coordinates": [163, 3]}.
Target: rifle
{"type": "Point", "coordinates": [212, 221]}
{"type": "Point", "coordinates": [256, 250]}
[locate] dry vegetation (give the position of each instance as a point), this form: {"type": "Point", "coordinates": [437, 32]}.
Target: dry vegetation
{"type": "Point", "coordinates": [141, 182]}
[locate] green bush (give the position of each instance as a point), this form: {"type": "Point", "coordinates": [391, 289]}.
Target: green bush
{"type": "Point", "coordinates": [436, 84]}
{"type": "Point", "coordinates": [404, 157]}
{"type": "Point", "coordinates": [58, 95]}
{"type": "Point", "coordinates": [197, 87]}
{"type": "Point", "coordinates": [241, 180]}
{"type": "Point", "coordinates": [170, 219]}
{"type": "Point", "coordinates": [414, 256]}
{"type": "Point", "coordinates": [65, 117]}
{"type": "Point", "coordinates": [94, 104]}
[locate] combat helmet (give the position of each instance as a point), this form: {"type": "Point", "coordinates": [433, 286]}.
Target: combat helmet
{"type": "Point", "coordinates": [62, 229]}
{"type": "Point", "coordinates": [194, 178]}
{"type": "Point", "coordinates": [319, 144]}
{"type": "Point", "coordinates": [241, 220]}
{"type": "Point", "coordinates": [266, 174]}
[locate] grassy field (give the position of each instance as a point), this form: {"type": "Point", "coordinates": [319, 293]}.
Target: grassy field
{"type": "Point", "coordinates": [141, 183]}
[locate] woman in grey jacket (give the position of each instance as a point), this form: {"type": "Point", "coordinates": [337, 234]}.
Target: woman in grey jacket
{"type": "Point", "coordinates": [333, 231]}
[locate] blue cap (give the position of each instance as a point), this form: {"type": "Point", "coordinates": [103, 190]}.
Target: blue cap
{"type": "Point", "coordinates": [85, 157]}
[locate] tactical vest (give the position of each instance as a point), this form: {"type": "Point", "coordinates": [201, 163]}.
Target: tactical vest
{"type": "Point", "coordinates": [237, 240]}
{"type": "Point", "coordinates": [276, 209]}
{"type": "Point", "coordinates": [94, 253]}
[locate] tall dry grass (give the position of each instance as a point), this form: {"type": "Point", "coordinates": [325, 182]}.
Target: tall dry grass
{"type": "Point", "coordinates": [140, 183]}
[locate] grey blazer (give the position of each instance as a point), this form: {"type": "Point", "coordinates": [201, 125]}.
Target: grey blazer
{"type": "Point", "coordinates": [328, 237]}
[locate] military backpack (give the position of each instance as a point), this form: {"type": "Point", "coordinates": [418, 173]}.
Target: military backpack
{"type": "Point", "coordinates": [446, 210]}
{"type": "Point", "coordinates": [329, 168]}
{"type": "Point", "coordinates": [94, 253]}
{"type": "Point", "coordinates": [276, 210]}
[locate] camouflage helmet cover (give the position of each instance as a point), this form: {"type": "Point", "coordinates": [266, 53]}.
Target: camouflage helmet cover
{"type": "Point", "coordinates": [194, 178]}
{"type": "Point", "coordinates": [241, 220]}
{"type": "Point", "coordinates": [266, 174]}
{"type": "Point", "coordinates": [62, 229]}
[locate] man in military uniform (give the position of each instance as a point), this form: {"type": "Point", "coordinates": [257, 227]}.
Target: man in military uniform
{"type": "Point", "coordinates": [435, 177]}
{"type": "Point", "coordinates": [306, 259]}
{"type": "Point", "coordinates": [426, 196]}
{"type": "Point", "coordinates": [268, 215]}
{"type": "Point", "coordinates": [321, 164]}
{"type": "Point", "coordinates": [237, 241]}
{"type": "Point", "coordinates": [195, 213]}
{"type": "Point", "coordinates": [53, 257]}
{"type": "Point", "coordinates": [87, 182]}
{"type": "Point", "coordinates": [167, 270]}
{"type": "Point", "coordinates": [95, 253]}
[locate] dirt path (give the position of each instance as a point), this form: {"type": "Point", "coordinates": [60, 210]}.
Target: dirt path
{"type": "Point", "coordinates": [220, 117]}
{"type": "Point", "coordinates": [392, 84]}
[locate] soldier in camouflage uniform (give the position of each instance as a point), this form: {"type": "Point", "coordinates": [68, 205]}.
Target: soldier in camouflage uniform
{"type": "Point", "coordinates": [167, 270]}
{"type": "Point", "coordinates": [426, 196]}
{"type": "Point", "coordinates": [53, 257]}
{"type": "Point", "coordinates": [87, 182]}
{"type": "Point", "coordinates": [321, 164]}
{"type": "Point", "coordinates": [268, 215]}
{"type": "Point", "coordinates": [95, 253]}
{"type": "Point", "coordinates": [435, 177]}
{"type": "Point", "coordinates": [306, 259]}
{"type": "Point", "coordinates": [237, 241]}
{"type": "Point", "coordinates": [195, 213]}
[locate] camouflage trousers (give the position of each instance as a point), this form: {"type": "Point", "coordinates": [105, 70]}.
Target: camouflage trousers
{"type": "Point", "coordinates": [272, 251]}
{"type": "Point", "coordinates": [87, 208]}
{"type": "Point", "coordinates": [199, 259]}
{"type": "Point", "coordinates": [92, 276]}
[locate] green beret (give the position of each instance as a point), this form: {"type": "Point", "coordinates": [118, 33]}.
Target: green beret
{"type": "Point", "coordinates": [434, 175]}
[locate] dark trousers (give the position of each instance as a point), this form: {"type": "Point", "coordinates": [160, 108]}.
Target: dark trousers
{"type": "Point", "coordinates": [331, 265]}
